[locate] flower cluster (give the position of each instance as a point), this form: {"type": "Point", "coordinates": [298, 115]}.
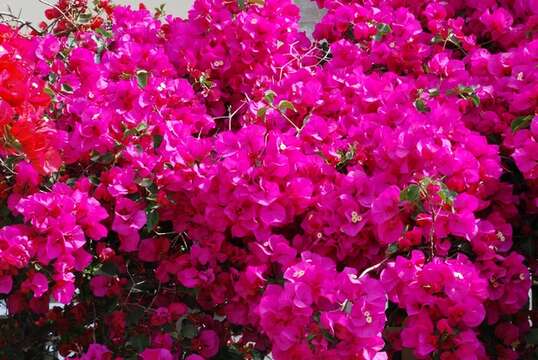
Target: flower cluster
{"type": "Point", "coordinates": [444, 303]}
{"type": "Point", "coordinates": [322, 313]}
{"type": "Point", "coordinates": [226, 186]}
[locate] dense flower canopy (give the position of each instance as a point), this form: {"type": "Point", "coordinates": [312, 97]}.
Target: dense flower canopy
{"type": "Point", "coordinates": [227, 186]}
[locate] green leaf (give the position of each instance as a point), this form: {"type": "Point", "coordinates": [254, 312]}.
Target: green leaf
{"type": "Point", "coordinates": [159, 11]}
{"type": "Point", "coordinates": [228, 353]}
{"type": "Point", "coordinates": [179, 324]}
{"type": "Point", "coordinates": [433, 92]}
{"type": "Point", "coordinates": [52, 77]}
{"type": "Point", "coordinates": [142, 127]}
{"type": "Point", "coordinates": [139, 342]}
{"type": "Point", "coordinates": [269, 96]}
{"type": "Point", "coordinates": [436, 39]}
{"type": "Point", "coordinates": [67, 88]}
{"type": "Point", "coordinates": [94, 180]}
{"type": "Point", "coordinates": [105, 158]}
{"type": "Point", "coordinates": [262, 112]}
{"type": "Point", "coordinates": [468, 93]}
{"type": "Point", "coordinates": [446, 194]}
{"type": "Point", "coordinates": [347, 306]}
{"type": "Point", "coordinates": [284, 105]}
{"type": "Point", "coordinates": [329, 337]}
{"type": "Point", "coordinates": [84, 18]}
{"type": "Point", "coordinates": [453, 39]}
{"type": "Point", "coordinates": [167, 328]}
{"type": "Point", "coordinates": [152, 217]}
{"type": "Point", "coordinates": [466, 90]}
{"type": "Point", "coordinates": [532, 337]}
{"type": "Point", "coordinates": [521, 122]}
{"type": "Point", "coordinates": [205, 82]}
{"type": "Point", "coordinates": [345, 157]}
{"type": "Point", "coordinates": [157, 141]}
{"type": "Point", "coordinates": [145, 182]}
{"type": "Point", "coordinates": [129, 132]}
{"type": "Point", "coordinates": [382, 30]}
{"type": "Point", "coordinates": [49, 91]}
{"type": "Point", "coordinates": [392, 249]}
{"type": "Point", "coordinates": [475, 100]}
{"type": "Point", "coordinates": [410, 193]}
{"type": "Point", "coordinates": [71, 181]}
{"type": "Point", "coordinates": [142, 78]}
{"type": "Point", "coordinates": [135, 131]}
{"type": "Point", "coordinates": [109, 268]}
{"type": "Point", "coordinates": [104, 33]}
{"type": "Point", "coordinates": [188, 330]}
{"type": "Point", "coordinates": [258, 355]}
{"type": "Point", "coordinates": [275, 280]}
{"type": "Point", "coordinates": [425, 182]}
{"type": "Point", "coordinates": [420, 105]}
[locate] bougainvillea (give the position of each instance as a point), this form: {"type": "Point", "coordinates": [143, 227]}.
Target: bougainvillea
{"type": "Point", "coordinates": [227, 186]}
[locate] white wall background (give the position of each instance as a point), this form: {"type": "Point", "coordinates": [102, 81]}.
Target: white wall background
{"type": "Point", "coordinates": [32, 10]}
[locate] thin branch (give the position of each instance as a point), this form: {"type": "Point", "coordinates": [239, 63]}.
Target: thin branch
{"type": "Point", "coordinates": [374, 267]}
{"type": "Point", "coordinates": [5, 166]}
{"type": "Point", "coordinates": [432, 232]}
{"type": "Point", "coordinates": [18, 20]}
{"type": "Point", "coordinates": [60, 11]}
{"type": "Point", "coordinates": [154, 297]}
{"type": "Point", "coordinates": [297, 128]}
{"type": "Point", "coordinates": [231, 115]}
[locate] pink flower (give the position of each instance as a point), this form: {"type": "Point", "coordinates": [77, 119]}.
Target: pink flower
{"type": "Point", "coordinates": [64, 236]}
{"type": "Point", "coordinates": [399, 141]}
{"type": "Point", "coordinates": [389, 231]}
{"type": "Point", "coordinates": [6, 283]}
{"type": "Point", "coordinates": [128, 219]}
{"type": "Point", "coordinates": [28, 179]}
{"type": "Point", "coordinates": [38, 284]}
{"type": "Point", "coordinates": [386, 205]}
{"type": "Point", "coordinates": [194, 357]}
{"type": "Point", "coordinates": [508, 332]}
{"type": "Point", "coordinates": [470, 312]}
{"type": "Point", "coordinates": [282, 322]}
{"type": "Point", "coordinates": [63, 291]}
{"type": "Point", "coordinates": [418, 334]}
{"type": "Point", "coordinates": [273, 214]}
{"type": "Point", "coordinates": [97, 352]}
{"type": "Point", "coordinates": [177, 310]}
{"type": "Point", "coordinates": [468, 346]}
{"type": "Point", "coordinates": [15, 249]}
{"type": "Point", "coordinates": [152, 249]}
{"type": "Point", "coordinates": [156, 354]}
{"type": "Point", "coordinates": [209, 343]}
{"type": "Point", "coordinates": [162, 340]}
{"type": "Point", "coordinates": [160, 317]}
{"type": "Point", "coordinates": [462, 224]}
{"type": "Point", "coordinates": [101, 285]}
{"type": "Point", "coordinates": [497, 22]}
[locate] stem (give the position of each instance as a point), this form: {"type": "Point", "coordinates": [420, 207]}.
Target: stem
{"type": "Point", "coordinates": [432, 233]}
{"type": "Point", "coordinates": [60, 11]}
{"type": "Point", "coordinates": [374, 267]}
{"type": "Point", "coordinates": [18, 20]}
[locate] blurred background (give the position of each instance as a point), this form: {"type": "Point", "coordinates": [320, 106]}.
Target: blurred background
{"type": "Point", "coordinates": [32, 10]}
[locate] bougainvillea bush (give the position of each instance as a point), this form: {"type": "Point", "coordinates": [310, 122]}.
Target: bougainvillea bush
{"type": "Point", "coordinates": [227, 186]}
